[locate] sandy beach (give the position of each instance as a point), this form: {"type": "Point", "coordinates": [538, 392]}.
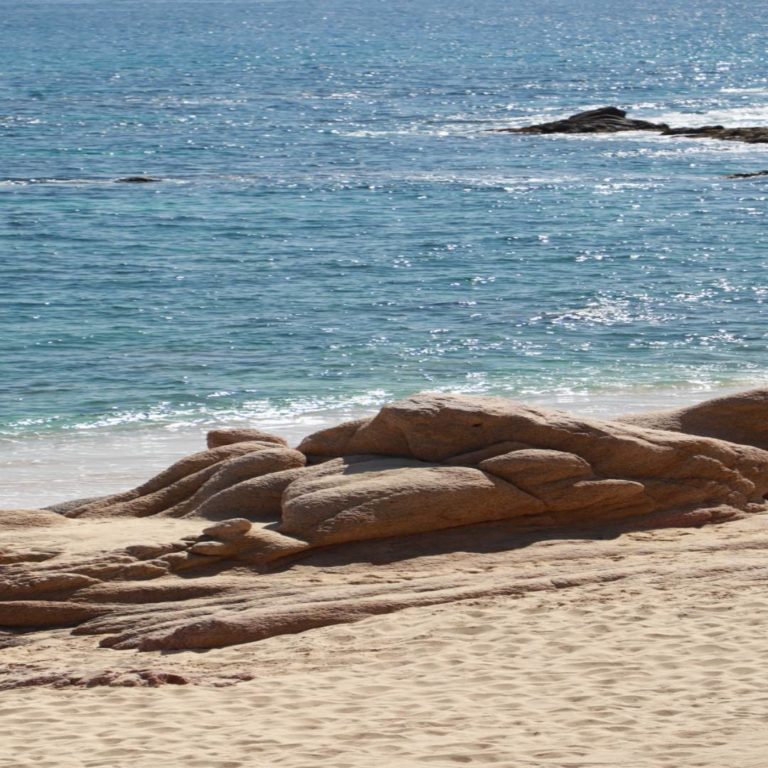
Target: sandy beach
{"type": "Point", "coordinates": [383, 384]}
{"type": "Point", "coordinates": [655, 660]}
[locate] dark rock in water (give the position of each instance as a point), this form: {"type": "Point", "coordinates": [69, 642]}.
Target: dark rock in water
{"type": "Point", "coordinates": [603, 120]}
{"type": "Point", "coordinates": [136, 180]}
{"type": "Point", "coordinates": [700, 131]}
{"type": "Point", "coordinates": [615, 120]}
{"type": "Point", "coordinates": [750, 135]}
{"type": "Point", "coordinates": [746, 175]}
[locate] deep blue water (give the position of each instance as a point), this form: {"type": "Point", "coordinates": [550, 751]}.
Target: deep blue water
{"type": "Point", "coordinates": [336, 224]}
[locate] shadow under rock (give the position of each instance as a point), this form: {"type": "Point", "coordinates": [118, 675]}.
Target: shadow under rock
{"type": "Point", "coordinates": [482, 538]}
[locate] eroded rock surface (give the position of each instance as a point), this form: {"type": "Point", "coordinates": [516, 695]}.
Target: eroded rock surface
{"type": "Point", "coordinates": [218, 437]}
{"type": "Point", "coordinates": [740, 418]}
{"type": "Point", "coordinates": [379, 498]}
{"type": "Point", "coordinates": [183, 561]}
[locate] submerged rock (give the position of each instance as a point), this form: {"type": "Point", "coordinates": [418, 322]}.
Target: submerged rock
{"type": "Point", "coordinates": [750, 135]}
{"type": "Point", "coordinates": [136, 180]}
{"type": "Point", "coordinates": [747, 175]}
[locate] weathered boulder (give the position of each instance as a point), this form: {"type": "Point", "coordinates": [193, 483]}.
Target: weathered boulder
{"type": "Point", "coordinates": [386, 497]}
{"type": "Point", "coordinates": [228, 529]}
{"type": "Point", "coordinates": [260, 498]}
{"type": "Point", "coordinates": [218, 437]}
{"type": "Point", "coordinates": [324, 442]}
{"type": "Point", "coordinates": [31, 585]}
{"type": "Point", "coordinates": [170, 487]}
{"type": "Point", "coordinates": [565, 483]}
{"type": "Point", "coordinates": [740, 418]}
{"type": "Point", "coordinates": [259, 463]}
{"type": "Point", "coordinates": [473, 458]}
{"type": "Point", "coordinates": [537, 467]}
{"type": "Point", "coordinates": [257, 546]}
{"type": "Point", "coordinates": [580, 470]}
{"type": "Point", "coordinates": [256, 499]}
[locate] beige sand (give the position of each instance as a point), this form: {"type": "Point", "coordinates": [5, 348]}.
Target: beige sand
{"type": "Point", "coordinates": [655, 656]}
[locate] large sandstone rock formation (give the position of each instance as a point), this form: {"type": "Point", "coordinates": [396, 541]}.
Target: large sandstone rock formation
{"type": "Point", "coordinates": [437, 461]}
{"type": "Point", "coordinates": [580, 471]}
{"type": "Point", "coordinates": [431, 468]}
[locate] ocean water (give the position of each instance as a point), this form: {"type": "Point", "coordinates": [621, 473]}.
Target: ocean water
{"type": "Point", "coordinates": [335, 223]}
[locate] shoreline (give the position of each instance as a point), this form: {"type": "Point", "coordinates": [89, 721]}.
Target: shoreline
{"type": "Point", "coordinates": [39, 470]}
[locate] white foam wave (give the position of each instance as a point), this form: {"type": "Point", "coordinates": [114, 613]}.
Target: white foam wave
{"type": "Point", "coordinates": [757, 90]}
{"type": "Point", "coordinates": [299, 414]}
{"type": "Point", "coordinates": [665, 146]}
{"type": "Point", "coordinates": [607, 311]}
{"type": "Point", "coordinates": [495, 181]}
{"type": "Point", "coordinates": [730, 117]}
{"type": "Point", "coordinates": [421, 129]}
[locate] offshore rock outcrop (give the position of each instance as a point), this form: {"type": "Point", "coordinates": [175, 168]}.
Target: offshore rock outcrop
{"type": "Point", "coordinates": [602, 120]}
{"type": "Point", "coordinates": [748, 134]}
{"type": "Point", "coordinates": [747, 175]}
{"type": "Point", "coordinates": [615, 120]}
{"type": "Point", "coordinates": [136, 180]}
{"type": "Point", "coordinates": [432, 470]}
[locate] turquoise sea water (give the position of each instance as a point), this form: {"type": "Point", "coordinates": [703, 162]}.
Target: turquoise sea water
{"type": "Point", "coordinates": [335, 225]}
